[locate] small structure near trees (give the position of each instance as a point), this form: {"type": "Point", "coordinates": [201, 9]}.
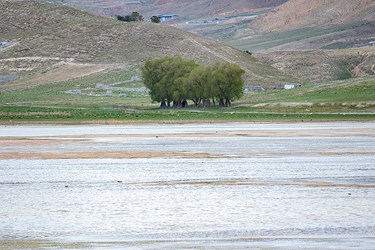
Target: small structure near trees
{"type": "Point", "coordinates": [167, 17]}
{"type": "Point", "coordinates": [285, 85]}
{"type": "Point", "coordinates": [174, 80]}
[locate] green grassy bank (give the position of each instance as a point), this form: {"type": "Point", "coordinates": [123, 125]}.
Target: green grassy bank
{"type": "Point", "coordinates": [14, 114]}
{"type": "Point", "coordinates": [351, 99]}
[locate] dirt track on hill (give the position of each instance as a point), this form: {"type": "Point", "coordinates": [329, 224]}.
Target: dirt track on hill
{"type": "Point", "coordinates": [58, 72]}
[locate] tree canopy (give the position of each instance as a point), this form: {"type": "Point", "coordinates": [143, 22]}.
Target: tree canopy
{"type": "Point", "coordinates": [133, 17]}
{"type": "Point", "coordinates": [155, 19]}
{"type": "Point", "coordinates": [174, 80]}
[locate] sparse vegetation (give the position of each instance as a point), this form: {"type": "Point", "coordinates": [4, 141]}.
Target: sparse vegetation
{"type": "Point", "coordinates": [53, 37]}
{"type": "Point", "coordinates": [322, 66]}
{"type": "Point", "coordinates": [351, 95]}
{"type": "Point", "coordinates": [281, 39]}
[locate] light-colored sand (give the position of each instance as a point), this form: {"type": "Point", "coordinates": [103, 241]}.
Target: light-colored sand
{"type": "Point", "coordinates": [249, 182]}
{"type": "Point", "coordinates": [90, 146]}
{"type": "Point", "coordinates": [102, 155]}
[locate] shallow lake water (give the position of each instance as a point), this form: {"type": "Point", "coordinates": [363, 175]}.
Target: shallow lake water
{"type": "Point", "coordinates": [211, 186]}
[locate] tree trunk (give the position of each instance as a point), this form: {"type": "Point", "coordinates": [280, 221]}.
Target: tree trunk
{"type": "Point", "coordinates": [227, 103]}
{"type": "Point", "coordinates": [163, 105]}
{"type": "Point", "coordinates": [197, 102]}
{"type": "Point", "coordinates": [184, 104]}
{"type": "Point", "coordinates": [221, 103]}
{"type": "Point", "coordinates": [207, 103]}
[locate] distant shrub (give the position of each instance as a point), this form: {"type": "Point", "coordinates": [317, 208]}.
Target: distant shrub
{"type": "Point", "coordinates": [133, 17]}
{"type": "Point", "coordinates": [155, 19]}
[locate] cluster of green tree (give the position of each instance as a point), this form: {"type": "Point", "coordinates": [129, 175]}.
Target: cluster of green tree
{"type": "Point", "coordinates": [174, 80]}
{"type": "Point", "coordinates": [155, 19]}
{"type": "Point", "coordinates": [136, 17]}
{"type": "Point", "coordinates": [133, 17]}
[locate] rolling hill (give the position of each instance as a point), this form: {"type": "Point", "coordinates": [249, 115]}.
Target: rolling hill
{"type": "Point", "coordinates": [322, 66]}
{"type": "Point", "coordinates": [217, 19]}
{"type": "Point", "coordinates": [320, 24]}
{"type": "Point", "coordinates": [186, 9]}
{"type": "Point", "coordinates": [295, 14]}
{"type": "Point", "coordinates": [318, 41]}
{"type": "Point", "coordinates": [278, 24]}
{"type": "Point", "coordinates": [57, 61]}
{"type": "Point", "coordinates": [53, 42]}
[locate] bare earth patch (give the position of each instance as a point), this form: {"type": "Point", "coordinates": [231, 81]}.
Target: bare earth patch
{"type": "Point", "coordinates": [60, 72]}
{"type": "Point", "coordinates": [248, 182]}
{"type": "Point", "coordinates": [367, 132]}
{"type": "Point", "coordinates": [103, 155]}
{"type": "Point", "coordinates": [97, 146]}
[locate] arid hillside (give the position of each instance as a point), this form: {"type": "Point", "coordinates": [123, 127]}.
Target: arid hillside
{"type": "Point", "coordinates": [186, 9]}
{"type": "Point", "coordinates": [296, 14]}
{"type": "Point", "coordinates": [217, 19]}
{"type": "Point", "coordinates": [213, 8]}
{"type": "Point", "coordinates": [306, 25]}
{"type": "Point", "coordinates": [318, 41]}
{"type": "Point", "coordinates": [54, 42]}
{"type": "Point", "coordinates": [258, 25]}
{"type": "Point", "coordinates": [322, 66]}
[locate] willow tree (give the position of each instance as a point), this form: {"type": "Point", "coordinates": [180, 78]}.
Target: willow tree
{"type": "Point", "coordinates": [174, 79]}
{"type": "Point", "coordinates": [198, 86]}
{"type": "Point", "coordinates": [226, 80]}
{"type": "Point", "coordinates": [165, 77]}
{"type": "Point", "coordinates": [152, 74]}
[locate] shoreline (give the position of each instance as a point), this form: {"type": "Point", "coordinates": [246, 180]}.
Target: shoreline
{"type": "Point", "coordinates": [212, 121]}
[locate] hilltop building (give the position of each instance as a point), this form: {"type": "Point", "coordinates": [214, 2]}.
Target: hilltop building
{"type": "Point", "coordinates": [167, 17]}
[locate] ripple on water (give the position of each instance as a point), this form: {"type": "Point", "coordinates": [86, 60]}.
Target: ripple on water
{"type": "Point", "coordinates": [173, 202]}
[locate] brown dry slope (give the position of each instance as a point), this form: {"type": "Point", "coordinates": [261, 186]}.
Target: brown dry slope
{"type": "Point", "coordinates": [321, 66]}
{"type": "Point", "coordinates": [296, 14]}
{"type": "Point", "coordinates": [318, 24]}
{"type": "Point", "coordinates": [49, 36]}
{"type": "Point", "coordinates": [295, 32]}
{"type": "Point", "coordinates": [186, 9]}
{"type": "Point", "coordinates": [212, 8]}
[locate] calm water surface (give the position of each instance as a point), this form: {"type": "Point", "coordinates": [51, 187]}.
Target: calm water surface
{"type": "Point", "coordinates": [260, 190]}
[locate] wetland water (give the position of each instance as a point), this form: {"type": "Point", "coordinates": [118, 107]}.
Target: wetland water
{"type": "Point", "coordinates": [219, 186]}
